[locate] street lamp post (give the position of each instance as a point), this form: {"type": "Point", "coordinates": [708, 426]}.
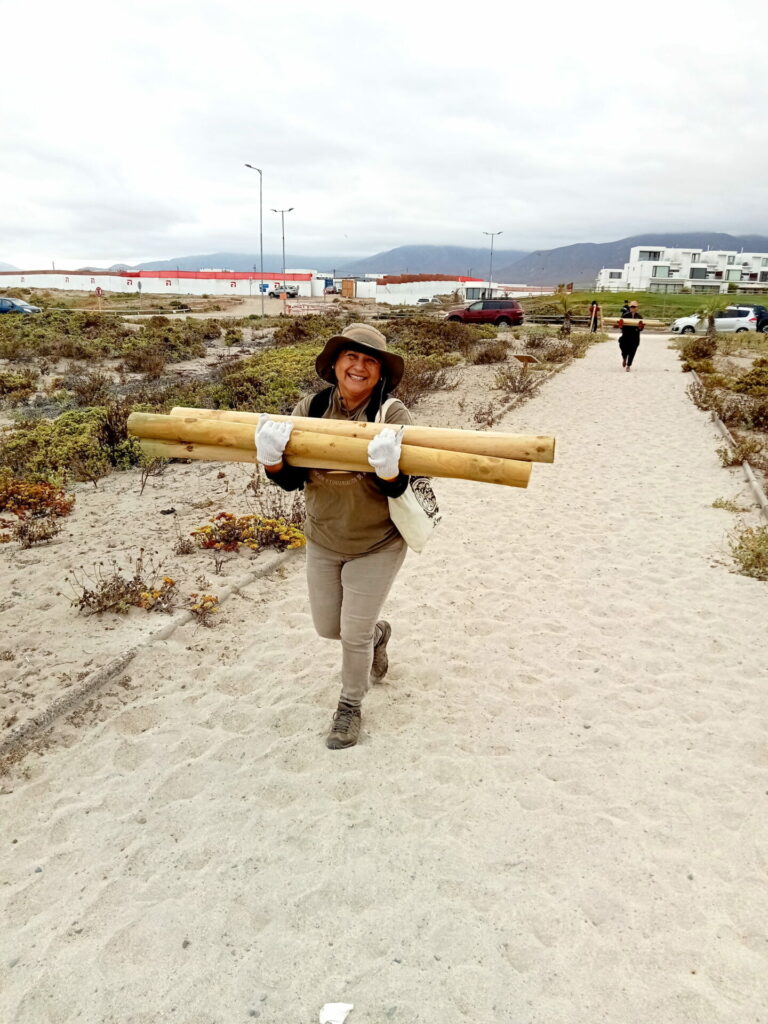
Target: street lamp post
{"type": "Point", "coordinates": [261, 236]}
{"type": "Point", "coordinates": [282, 223]}
{"type": "Point", "coordinates": [490, 272]}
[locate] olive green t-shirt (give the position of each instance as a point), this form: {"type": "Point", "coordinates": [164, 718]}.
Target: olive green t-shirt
{"type": "Point", "coordinates": [346, 512]}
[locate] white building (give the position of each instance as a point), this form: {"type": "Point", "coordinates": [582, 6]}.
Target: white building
{"type": "Point", "coordinates": [657, 268]}
{"type": "Point", "coordinates": [390, 289]}
{"type": "Point", "coordinates": [165, 282]}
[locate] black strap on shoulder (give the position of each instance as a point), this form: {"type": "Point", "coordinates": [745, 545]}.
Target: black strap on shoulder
{"type": "Point", "coordinates": [320, 403]}
{"type": "Point", "coordinates": [377, 400]}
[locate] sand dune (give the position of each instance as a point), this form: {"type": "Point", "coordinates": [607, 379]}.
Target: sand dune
{"type": "Point", "coordinates": [556, 815]}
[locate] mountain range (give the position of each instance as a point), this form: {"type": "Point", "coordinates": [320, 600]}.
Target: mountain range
{"type": "Point", "coordinates": [578, 263]}
{"type": "Point", "coordinates": [405, 259]}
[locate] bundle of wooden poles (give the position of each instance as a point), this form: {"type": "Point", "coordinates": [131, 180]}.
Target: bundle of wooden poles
{"type": "Point", "coordinates": [218, 435]}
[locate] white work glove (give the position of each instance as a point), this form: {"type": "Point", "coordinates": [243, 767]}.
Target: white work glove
{"type": "Point", "coordinates": [384, 453]}
{"type": "Point", "coordinates": [271, 438]}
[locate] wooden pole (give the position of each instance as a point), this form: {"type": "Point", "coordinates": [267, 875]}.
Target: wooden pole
{"type": "Point", "coordinates": [527, 447]}
{"type": "Point", "coordinates": [217, 453]}
{"type": "Point", "coordinates": [350, 453]}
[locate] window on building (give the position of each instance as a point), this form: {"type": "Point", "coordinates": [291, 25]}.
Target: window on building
{"type": "Point", "coordinates": [764, 262]}
{"type": "Point", "coordinates": [664, 286]}
{"type": "Point", "coordinates": [93, 280]}
{"type": "Point", "coordinates": [704, 289]}
{"type": "Point", "coordinates": [168, 284]}
{"type": "Point", "coordinates": [661, 271]}
{"type": "Point", "coordinates": [695, 257]}
{"type": "Point", "coordinates": [734, 275]}
{"type": "Point", "coordinates": [764, 275]}
{"type": "Point", "coordinates": [650, 255]}
{"type": "Point", "coordinates": [66, 280]}
{"type": "Point", "coordinates": [698, 273]}
{"type": "Point", "coordinates": [614, 275]}
{"type": "Point", "coordinates": [731, 259]}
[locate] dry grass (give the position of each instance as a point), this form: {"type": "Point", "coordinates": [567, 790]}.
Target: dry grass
{"type": "Point", "coordinates": [749, 548]}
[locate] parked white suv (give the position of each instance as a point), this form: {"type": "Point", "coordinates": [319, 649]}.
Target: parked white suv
{"type": "Point", "coordinates": [732, 318]}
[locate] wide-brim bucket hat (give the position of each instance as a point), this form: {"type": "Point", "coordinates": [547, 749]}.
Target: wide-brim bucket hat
{"type": "Point", "coordinates": [361, 338]}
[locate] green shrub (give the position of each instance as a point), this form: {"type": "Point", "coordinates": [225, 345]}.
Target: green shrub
{"type": "Point", "coordinates": [758, 414]}
{"type": "Point", "coordinates": [272, 381]}
{"type": "Point", "coordinates": [94, 387]}
{"type": "Point", "coordinates": [421, 336]}
{"type": "Point", "coordinates": [704, 367]}
{"type": "Point", "coordinates": [60, 334]}
{"type": "Point", "coordinates": [516, 380]}
{"type": "Point", "coordinates": [163, 341]}
{"type": "Point", "coordinates": [557, 352]}
{"type": "Point", "coordinates": [495, 352]}
{"type": "Point", "coordinates": [745, 448]}
{"type": "Point", "coordinates": [17, 385]}
{"type": "Point", "coordinates": [696, 348]}
{"type": "Point", "coordinates": [749, 548]}
{"type": "Point", "coordinates": [423, 375]}
{"type": "Point", "coordinates": [83, 444]}
{"type": "Point", "coordinates": [144, 356]}
{"type": "Point", "coordinates": [316, 329]}
{"type": "Point", "coordinates": [755, 382]}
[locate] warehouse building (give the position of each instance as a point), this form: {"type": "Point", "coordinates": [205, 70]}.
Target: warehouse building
{"type": "Point", "coordinates": [402, 289]}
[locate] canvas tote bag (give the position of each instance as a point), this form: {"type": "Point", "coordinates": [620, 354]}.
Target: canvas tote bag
{"type": "Point", "coordinates": [415, 512]}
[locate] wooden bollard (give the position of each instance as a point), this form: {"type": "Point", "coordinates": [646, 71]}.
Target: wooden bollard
{"type": "Point", "coordinates": [526, 447]}
{"type": "Point", "coordinates": [351, 453]}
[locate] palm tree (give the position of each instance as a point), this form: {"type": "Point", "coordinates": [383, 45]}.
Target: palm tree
{"type": "Point", "coordinates": [709, 310]}
{"type": "Point", "coordinates": [563, 299]}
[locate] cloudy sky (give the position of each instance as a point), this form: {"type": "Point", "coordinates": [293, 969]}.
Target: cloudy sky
{"type": "Point", "coordinates": [125, 127]}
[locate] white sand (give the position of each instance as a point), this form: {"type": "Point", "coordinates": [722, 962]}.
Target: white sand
{"type": "Point", "coordinates": [557, 813]}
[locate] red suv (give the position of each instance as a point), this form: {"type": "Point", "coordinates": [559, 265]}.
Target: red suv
{"type": "Point", "coordinates": [502, 312]}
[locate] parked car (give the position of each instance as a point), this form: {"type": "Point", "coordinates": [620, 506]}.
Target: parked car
{"type": "Point", "coordinates": [502, 312]}
{"type": "Point", "coordinates": [422, 301]}
{"type": "Point", "coordinates": [17, 306]}
{"type": "Point", "coordinates": [730, 319]}
{"type": "Point", "coordinates": [291, 291]}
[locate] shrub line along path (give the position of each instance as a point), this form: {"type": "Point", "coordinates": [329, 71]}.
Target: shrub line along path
{"type": "Point", "coordinates": [557, 812]}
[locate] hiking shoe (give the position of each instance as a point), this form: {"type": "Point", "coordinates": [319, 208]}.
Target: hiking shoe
{"type": "Point", "coordinates": [345, 727]}
{"type": "Point", "coordinates": [380, 662]}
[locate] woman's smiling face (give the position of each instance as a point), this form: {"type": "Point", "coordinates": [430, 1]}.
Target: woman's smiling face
{"type": "Point", "coordinates": [357, 374]}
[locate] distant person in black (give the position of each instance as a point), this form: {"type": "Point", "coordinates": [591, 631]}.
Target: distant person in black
{"type": "Point", "coordinates": [625, 309]}
{"type": "Point", "coordinates": [594, 316]}
{"type": "Point", "coordinates": [629, 339]}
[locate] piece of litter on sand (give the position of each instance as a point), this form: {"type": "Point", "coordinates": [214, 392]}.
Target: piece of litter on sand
{"type": "Point", "coordinates": [335, 1013]}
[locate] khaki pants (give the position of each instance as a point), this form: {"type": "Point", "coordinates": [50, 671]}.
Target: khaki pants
{"type": "Point", "coordinates": [346, 594]}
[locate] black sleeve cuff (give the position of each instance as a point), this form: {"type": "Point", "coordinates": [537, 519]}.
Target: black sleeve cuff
{"type": "Point", "coordinates": [290, 478]}
{"type": "Point", "coordinates": [392, 488]}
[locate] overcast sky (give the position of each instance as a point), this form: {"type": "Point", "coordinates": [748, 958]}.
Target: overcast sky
{"type": "Point", "coordinates": [125, 127]}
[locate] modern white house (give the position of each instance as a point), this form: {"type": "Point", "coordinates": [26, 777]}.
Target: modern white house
{"type": "Point", "coordinates": [390, 289]}
{"type": "Point", "coordinates": [657, 268]}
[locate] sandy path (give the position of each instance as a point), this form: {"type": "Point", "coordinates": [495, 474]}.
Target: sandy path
{"type": "Point", "coordinates": [557, 814]}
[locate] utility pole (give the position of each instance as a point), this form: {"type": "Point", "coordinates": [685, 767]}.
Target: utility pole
{"type": "Point", "coordinates": [261, 235]}
{"type": "Point", "coordinates": [490, 272]}
{"type": "Point", "coordinates": [282, 223]}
